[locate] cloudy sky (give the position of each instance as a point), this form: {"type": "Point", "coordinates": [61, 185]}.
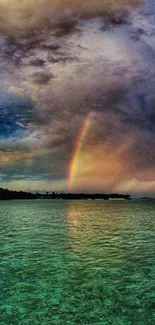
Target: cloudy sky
{"type": "Point", "coordinates": [77, 98]}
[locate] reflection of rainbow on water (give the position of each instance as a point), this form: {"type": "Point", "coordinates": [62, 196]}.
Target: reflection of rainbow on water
{"type": "Point", "coordinates": [73, 166]}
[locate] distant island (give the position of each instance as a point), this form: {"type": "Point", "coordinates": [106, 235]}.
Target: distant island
{"type": "Point", "coordinates": [6, 194]}
{"type": "Point", "coordinates": [147, 198]}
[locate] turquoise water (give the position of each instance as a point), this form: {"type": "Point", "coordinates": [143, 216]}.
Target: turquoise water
{"type": "Point", "coordinates": [77, 262]}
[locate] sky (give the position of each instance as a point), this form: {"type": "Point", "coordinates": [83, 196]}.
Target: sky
{"type": "Point", "coordinates": [77, 99]}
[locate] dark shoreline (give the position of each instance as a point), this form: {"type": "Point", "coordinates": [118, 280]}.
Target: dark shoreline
{"type": "Point", "coordinates": [6, 194]}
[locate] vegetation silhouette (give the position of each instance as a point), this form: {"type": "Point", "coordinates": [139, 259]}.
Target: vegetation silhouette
{"type": "Point", "coordinates": [6, 194]}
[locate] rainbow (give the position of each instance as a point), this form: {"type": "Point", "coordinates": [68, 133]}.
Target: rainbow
{"type": "Point", "coordinates": [73, 165]}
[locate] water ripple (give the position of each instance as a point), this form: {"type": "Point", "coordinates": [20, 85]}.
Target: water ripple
{"type": "Point", "coordinates": [68, 263]}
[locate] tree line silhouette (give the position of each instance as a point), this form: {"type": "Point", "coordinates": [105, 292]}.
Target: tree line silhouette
{"type": "Point", "coordinates": [6, 194]}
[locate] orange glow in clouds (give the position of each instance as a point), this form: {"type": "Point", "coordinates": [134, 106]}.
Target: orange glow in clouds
{"type": "Point", "coordinates": [99, 166]}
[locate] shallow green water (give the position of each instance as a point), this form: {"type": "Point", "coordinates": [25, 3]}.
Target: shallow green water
{"type": "Point", "coordinates": [86, 262]}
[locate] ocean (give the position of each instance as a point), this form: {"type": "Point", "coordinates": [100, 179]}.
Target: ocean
{"type": "Point", "coordinates": [77, 262]}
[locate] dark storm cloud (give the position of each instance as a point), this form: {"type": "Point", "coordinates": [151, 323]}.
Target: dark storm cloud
{"type": "Point", "coordinates": [74, 101]}
{"type": "Point", "coordinates": [41, 78]}
{"type": "Point", "coordinates": [37, 62]}
{"type": "Point", "coordinates": [25, 28]}
{"type": "Point", "coordinates": [73, 66]}
{"type": "Point", "coordinates": [23, 51]}
{"type": "Point", "coordinates": [21, 19]}
{"type": "Point", "coordinates": [120, 109]}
